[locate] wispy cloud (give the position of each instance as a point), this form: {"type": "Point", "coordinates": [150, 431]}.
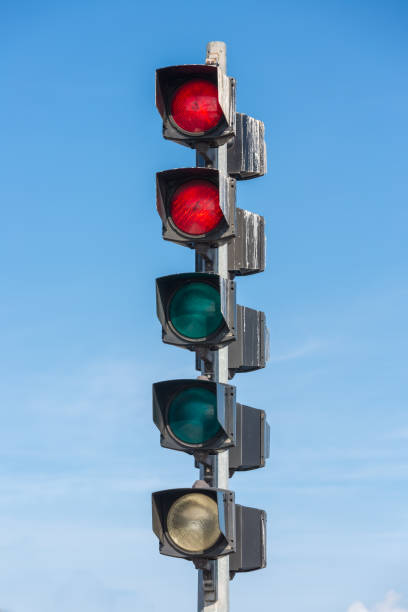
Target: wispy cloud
{"type": "Point", "coordinates": [88, 567]}
{"type": "Point", "coordinates": [399, 434]}
{"type": "Point", "coordinates": [389, 604]}
{"type": "Point", "coordinates": [17, 488]}
{"type": "Point", "coordinates": [307, 348]}
{"type": "Point", "coordinates": [84, 412]}
{"type": "Point", "coordinates": [390, 471]}
{"type": "Point", "coordinates": [99, 387]}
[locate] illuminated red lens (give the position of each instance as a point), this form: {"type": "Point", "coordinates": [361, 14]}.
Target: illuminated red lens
{"type": "Point", "coordinates": [195, 207]}
{"type": "Point", "coordinates": [195, 106]}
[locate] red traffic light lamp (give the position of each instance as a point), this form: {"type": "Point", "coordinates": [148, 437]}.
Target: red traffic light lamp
{"type": "Point", "coordinates": [197, 104]}
{"type": "Point", "coordinates": [194, 106]}
{"type": "Point", "coordinates": [196, 205]}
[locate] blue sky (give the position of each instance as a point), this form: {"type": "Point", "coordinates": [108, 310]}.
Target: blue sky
{"type": "Point", "coordinates": [80, 246]}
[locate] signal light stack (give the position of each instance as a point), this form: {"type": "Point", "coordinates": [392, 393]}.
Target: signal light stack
{"type": "Point", "coordinates": [198, 311]}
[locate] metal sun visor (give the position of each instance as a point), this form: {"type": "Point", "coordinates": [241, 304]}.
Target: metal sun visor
{"type": "Point", "coordinates": [246, 252]}
{"type": "Point", "coordinates": [253, 440]}
{"type": "Point", "coordinates": [247, 152]}
{"type": "Point", "coordinates": [251, 350]}
{"type": "Point", "coordinates": [250, 554]}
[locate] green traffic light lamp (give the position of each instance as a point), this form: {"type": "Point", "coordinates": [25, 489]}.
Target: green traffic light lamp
{"type": "Point", "coordinates": [195, 416]}
{"type": "Point", "coordinates": [196, 310]}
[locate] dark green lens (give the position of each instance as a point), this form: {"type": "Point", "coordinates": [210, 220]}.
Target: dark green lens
{"type": "Point", "coordinates": [195, 310]}
{"type": "Point", "coordinates": [192, 415]}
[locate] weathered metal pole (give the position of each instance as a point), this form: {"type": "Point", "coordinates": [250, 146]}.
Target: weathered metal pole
{"type": "Point", "coordinates": [216, 54]}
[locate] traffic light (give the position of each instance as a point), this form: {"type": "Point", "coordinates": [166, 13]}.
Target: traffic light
{"type": "Point", "coordinates": [194, 523]}
{"type": "Point", "coordinates": [202, 417]}
{"type": "Point", "coordinates": [197, 104]}
{"type": "Point", "coordinates": [195, 415]}
{"type": "Point", "coordinates": [203, 523]}
{"type": "Point", "coordinates": [196, 205]}
{"type": "Point", "coordinates": [198, 311]}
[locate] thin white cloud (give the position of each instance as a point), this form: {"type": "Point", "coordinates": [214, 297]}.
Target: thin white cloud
{"type": "Point", "coordinates": [390, 471]}
{"type": "Point", "coordinates": [85, 567]}
{"type": "Point", "coordinates": [307, 348]}
{"type": "Point", "coordinates": [18, 488]}
{"type": "Point", "coordinates": [389, 604]}
{"type": "Point", "coordinates": [82, 412]}
{"type": "Point", "coordinates": [105, 387]}
{"type": "Point", "coordinates": [357, 607]}
{"type": "Point", "coordinates": [399, 434]}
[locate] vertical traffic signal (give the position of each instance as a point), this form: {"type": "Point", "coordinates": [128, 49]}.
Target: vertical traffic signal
{"type": "Point", "coordinates": [195, 416]}
{"type": "Point", "coordinates": [202, 417]}
{"type": "Point", "coordinates": [197, 104]}
{"type": "Point", "coordinates": [198, 311]}
{"type": "Point", "coordinates": [196, 523]}
{"type": "Point", "coordinates": [196, 205]}
{"type": "Point", "coordinates": [202, 524]}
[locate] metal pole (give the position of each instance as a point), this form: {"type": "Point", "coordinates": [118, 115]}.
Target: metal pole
{"type": "Point", "coordinates": [216, 54]}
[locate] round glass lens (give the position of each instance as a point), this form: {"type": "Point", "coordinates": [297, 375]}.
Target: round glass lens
{"type": "Point", "coordinates": [195, 107]}
{"type": "Point", "coordinates": [195, 310]}
{"type": "Point", "coordinates": [195, 207]}
{"type": "Point", "coordinates": [192, 522]}
{"type": "Point", "coordinates": [192, 415]}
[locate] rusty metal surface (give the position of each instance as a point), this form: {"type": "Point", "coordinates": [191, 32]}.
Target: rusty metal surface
{"type": "Point", "coordinates": [247, 154]}
{"type": "Point", "coordinates": [246, 253]}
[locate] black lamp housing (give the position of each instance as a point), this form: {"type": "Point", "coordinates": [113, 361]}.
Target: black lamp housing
{"type": "Point", "coordinates": [163, 394]}
{"type": "Point", "coordinates": [166, 184]}
{"type": "Point", "coordinates": [170, 78]}
{"type": "Point", "coordinates": [166, 286]}
{"type": "Point", "coordinates": [225, 500]}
